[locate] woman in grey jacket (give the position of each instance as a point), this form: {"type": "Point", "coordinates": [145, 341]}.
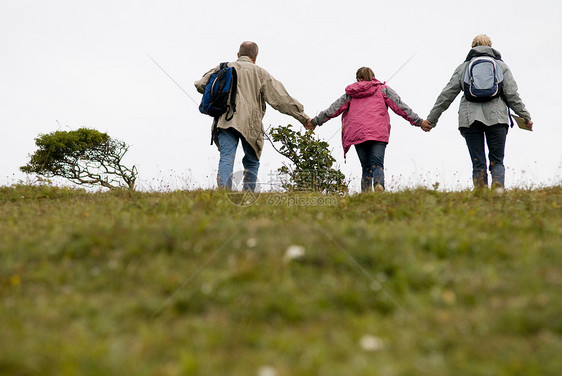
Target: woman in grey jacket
{"type": "Point", "coordinates": [479, 121]}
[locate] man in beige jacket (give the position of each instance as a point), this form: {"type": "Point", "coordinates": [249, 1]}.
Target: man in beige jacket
{"type": "Point", "coordinates": [256, 87]}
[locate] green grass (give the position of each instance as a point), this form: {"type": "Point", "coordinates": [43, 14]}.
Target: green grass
{"type": "Point", "coordinates": [186, 283]}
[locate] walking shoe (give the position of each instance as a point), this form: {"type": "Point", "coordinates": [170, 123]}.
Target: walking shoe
{"type": "Point", "coordinates": [379, 188]}
{"type": "Point", "coordinates": [498, 188]}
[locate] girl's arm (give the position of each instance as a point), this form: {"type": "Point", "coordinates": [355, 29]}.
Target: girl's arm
{"type": "Point", "coordinates": [335, 109]}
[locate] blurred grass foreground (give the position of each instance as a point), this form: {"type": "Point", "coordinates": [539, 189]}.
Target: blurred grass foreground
{"type": "Point", "coordinates": [415, 282]}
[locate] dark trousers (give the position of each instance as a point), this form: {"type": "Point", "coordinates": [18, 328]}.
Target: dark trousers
{"type": "Point", "coordinates": [494, 136]}
{"type": "Point", "coordinates": [371, 155]}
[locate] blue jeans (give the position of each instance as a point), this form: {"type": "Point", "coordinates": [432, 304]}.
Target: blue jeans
{"type": "Point", "coordinates": [371, 156]}
{"type": "Point", "coordinates": [228, 142]}
{"type": "Point", "coordinates": [495, 136]}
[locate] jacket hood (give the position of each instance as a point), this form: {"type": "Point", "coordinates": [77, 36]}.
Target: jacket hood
{"type": "Point", "coordinates": [483, 51]}
{"type": "Point", "coordinates": [363, 89]}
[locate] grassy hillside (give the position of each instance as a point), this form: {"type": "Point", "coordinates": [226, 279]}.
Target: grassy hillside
{"type": "Point", "coordinates": [187, 283]}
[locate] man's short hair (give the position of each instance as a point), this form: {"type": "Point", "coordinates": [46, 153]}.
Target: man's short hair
{"type": "Point", "coordinates": [249, 49]}
{"type": "Point", "coordinates": [482, 40]}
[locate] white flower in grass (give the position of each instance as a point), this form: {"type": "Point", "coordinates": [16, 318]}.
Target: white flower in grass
{"type": "Point", "coordinates": [251, 242]}
{"type": "Point", "coordinates": [207, 288]}
{"type": "Point", "coordinates": [293, 252]}
{"type": "Point", "coordinates": [267, 371]}
{"type": "Point", "coordinates": [371, 343]}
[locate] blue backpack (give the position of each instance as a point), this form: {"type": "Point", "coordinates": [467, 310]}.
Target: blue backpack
{"type": "Point", "coordinates": [483, 79]}
{"type": "Point", "coordinates": [220, 93]}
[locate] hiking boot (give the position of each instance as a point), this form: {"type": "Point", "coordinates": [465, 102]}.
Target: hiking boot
{"type": "Point", "coordinates": [379, 188]}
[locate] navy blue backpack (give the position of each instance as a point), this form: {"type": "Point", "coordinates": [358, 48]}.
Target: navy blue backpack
{"type": "Point", "coordinates": [220, 95]}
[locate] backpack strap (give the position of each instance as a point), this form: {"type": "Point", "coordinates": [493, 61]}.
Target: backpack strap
{"type": "Point", "coordinates": [214, 129]}
{"type": "Point", "coordinates": [503, 97]}
{"type": "Point", "coordinates": [233, 89]}
{"type": "Point", "coordinates": [510, 118]}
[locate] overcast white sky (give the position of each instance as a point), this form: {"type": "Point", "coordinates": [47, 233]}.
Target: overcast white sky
{"type": "Point", "coordinates": [70, 64]}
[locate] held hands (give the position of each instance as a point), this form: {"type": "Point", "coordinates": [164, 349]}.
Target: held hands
{"type": "Point", "coordinates": [308, 125]}
{"type": "Point", "coordinates": [426, 126]}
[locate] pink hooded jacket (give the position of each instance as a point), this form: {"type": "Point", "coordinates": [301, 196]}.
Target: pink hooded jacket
{"type": "Point", "coordinates": [365, 112]}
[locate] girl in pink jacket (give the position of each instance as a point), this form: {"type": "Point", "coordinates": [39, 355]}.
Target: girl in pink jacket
{"type": "Point", "coordinates": [366, 123]}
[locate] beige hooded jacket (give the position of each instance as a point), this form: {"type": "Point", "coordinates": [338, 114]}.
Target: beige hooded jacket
{"type": "Point", "coordinates": [256, 87]}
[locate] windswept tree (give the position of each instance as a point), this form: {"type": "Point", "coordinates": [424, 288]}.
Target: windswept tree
{"type": "Point", "coordinates": [84, 156]}
{"type": "Point", "coordinates": [311, 168]}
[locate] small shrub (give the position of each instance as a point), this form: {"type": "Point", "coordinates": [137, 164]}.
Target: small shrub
{"type": "Point", "coordinates": [312, 162]}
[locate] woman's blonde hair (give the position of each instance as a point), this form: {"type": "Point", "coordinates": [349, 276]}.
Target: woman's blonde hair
{"type": "Point", "coordinates": [364, 74]}
{"type": "Point", "coordinates": [482, 40]}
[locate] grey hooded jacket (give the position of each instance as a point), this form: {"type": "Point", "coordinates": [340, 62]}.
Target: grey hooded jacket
{"type": "Point", "coordinates": [489, 113]}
